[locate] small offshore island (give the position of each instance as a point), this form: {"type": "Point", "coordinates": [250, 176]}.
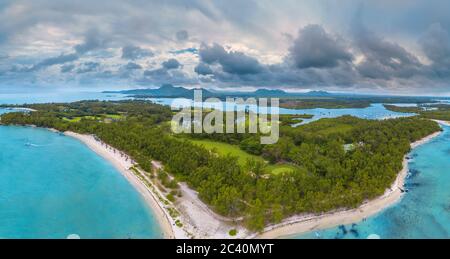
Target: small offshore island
{"type": "Point", "coordinates": [322, 174]}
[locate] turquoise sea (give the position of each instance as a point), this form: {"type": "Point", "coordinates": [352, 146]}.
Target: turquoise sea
{"type": "Point", "coordinates": [45, 96]}
{"type": "Point", "coordinates": [53, 186]}
{"type": "Point", "coordinates": [375, 111]}
{"type": "Point", "coordinates": [423, 212]}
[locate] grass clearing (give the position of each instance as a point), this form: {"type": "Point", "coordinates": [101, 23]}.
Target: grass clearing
{"type": "Point", "coordinates": [100, 117]}
{"type": "Point", "coordinates": [277, 169]}
{"type": "Point", "coordinates": [224, 149]}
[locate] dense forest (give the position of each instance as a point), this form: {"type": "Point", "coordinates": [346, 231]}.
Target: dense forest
{"type": "Point", "coordinates": [430, 111]}
{"type": "Point", "coordinates": [338, 163]}
{"type": "Point", "coordinates": [329, 103]}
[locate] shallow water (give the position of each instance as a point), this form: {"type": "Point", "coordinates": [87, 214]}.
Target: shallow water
{"type": "Point", "coordinates": [53, 186]}
{"type": "Point", "coordinates": [375, 111]}
{"type": "Point", "coordinates": [55, 96]}
{"type": "Point", "coordinates": [423, 212]}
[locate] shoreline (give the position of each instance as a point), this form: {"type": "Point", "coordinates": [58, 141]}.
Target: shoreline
{"type": "Point", "coordinates": [445, 123]}
{"type": "Point", "coordinates": [309, 222]}
{"type": "Point", "coordinates": [194, 215]}
{"type": "Point", "coordinates": [198, 221]}
{"type": "Point", "coordinates": [291, 226]}
{"type": "Point", "coordinates": [123, 166]}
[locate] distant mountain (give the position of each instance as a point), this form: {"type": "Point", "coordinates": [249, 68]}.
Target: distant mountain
{"type": "Point", "coordinates": [317, 93]}
{"type": "Point", "coordinates": [166, 90]}
{"type": "Point", "coordinates": [170, 91]}
{"type": "Point", "coordinates": [269, 93]}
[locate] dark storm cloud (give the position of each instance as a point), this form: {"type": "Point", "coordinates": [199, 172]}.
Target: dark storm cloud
{"type": "Point", "coordinates": [232, 62]}
{"type": "Point", "coordinates": [171, 64]}
{"type": "Point", "coordinates": [88, 67]}
{"type": "Point", "coordinates": [182, 35]}
{"type": "Point", "coordinates": [284, 74]}
{"type": "Point", "coordinates": [132, 66]}
{"type": "Point", "coordinates": [384, 59]}
{"type": "Point", "coordinates": [61, 59]}
{"type": "Point", "coordinates": [315, 48]}
{"type": "Point", "coordinates": [135, 52]}
{"type": "Point", "coordinates": [92, 41]}
{"type": "Point", "coordinates": [67, 68]}
{"type": "Point", "coordinates": [436, 46]}
{"type": "Point", "coordinates": [186, 50]}
{"type": "Point", "coordinates": [157, 73]}
{"type": "Point", "coordinates": [203, 69]}
{"type": "Point", "coordinates": [316, 58]}
{"type": "Point", "coordinates": [163, 76]}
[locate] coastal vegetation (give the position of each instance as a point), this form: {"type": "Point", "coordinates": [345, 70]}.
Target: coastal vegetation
{"type": "Point", "coordinates": [433, 111]}
{"type": "Point", "coordinates": [290, 119]}
{"type": "Point", "coordinates": [233, 232]}
{"type": "Point", "coordinates": [308, 170]}
{"type": "Point", "coordinates": [322, 103]}
{"type": "Point", "coordinates": [406, 109]}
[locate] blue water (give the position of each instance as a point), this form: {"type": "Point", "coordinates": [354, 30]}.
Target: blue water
{"type": "Point", "coordinates": [53, 186]}
{"type": "Point", "coordinates": [375, 111]}
{"type": "Point", "coordinates": [55, 96]}
{"type": "Point", "coordinates": [423, 212]}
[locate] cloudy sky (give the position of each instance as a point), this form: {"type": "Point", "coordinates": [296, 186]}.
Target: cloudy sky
{"type": "Point", "coordinates": [400, 47]}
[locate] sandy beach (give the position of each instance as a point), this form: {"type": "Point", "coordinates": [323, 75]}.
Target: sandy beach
{"type": "Point", "coordinates": [123, 165]}
{"type": "Point", "coordinates": [305, 223]}
{"type": "Point", "coordinates": [198, 220]}
{"type": "Point", "coordinates": [446, 123]}
{"type": "Point", "coordinates": [201, 222]}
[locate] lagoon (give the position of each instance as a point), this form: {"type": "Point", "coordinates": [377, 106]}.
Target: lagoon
{"type": "Point", "coordinates": [423, 212]}
{"type": "Point", "coordinates": [55, 96]}
{"type": "Point", "coordinates": [53, 186]}
{"type": "Point", "coordinates": [375, 111]}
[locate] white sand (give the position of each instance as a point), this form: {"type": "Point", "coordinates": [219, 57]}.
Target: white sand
{"type": "Point", "coordinates": [199, 221]}
{"type": "Point", "coordinates": [123, 164]}
{"type": "Point", "coordinates": [305, 223]}
{"type": "Point", "coordinates": [446, 123]}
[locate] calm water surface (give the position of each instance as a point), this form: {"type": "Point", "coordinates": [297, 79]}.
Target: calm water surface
{"type": "Point", "coordinates": [423, 212]}
{"type": "Point", "coordinates": [53, 186]}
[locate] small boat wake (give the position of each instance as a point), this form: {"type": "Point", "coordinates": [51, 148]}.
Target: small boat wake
{"type": "Point", "coordinates": [29, 144]}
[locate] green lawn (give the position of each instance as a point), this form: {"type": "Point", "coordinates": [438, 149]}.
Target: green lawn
{"type": "Point", "coordinates": [280, 168]}
{"type": "Point", "coordinates": [114, 116]}
{"type": "Point", "coordinates": [75, 119]}
{"type": "Point", "coordinates": [224, 149]}
{"type": "Point", "coordinates": [104, 116]}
